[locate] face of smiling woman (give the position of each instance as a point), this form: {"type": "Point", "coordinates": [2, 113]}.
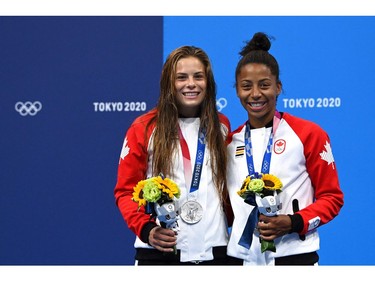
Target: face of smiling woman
{"type": "Point", "coordinates": [190, 84]}
{"type": "Point", "coordinates": [258, 90]}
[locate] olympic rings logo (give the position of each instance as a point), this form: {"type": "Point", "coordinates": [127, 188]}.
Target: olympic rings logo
{"type": "Point", "coordinates": [200, 155]}
{"type": "Point", "coordinates": [28, 108]}
{"type": "Point", "coordinates": [221, 103]}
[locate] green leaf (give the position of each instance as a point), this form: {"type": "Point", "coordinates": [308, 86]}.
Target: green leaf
{"type": "Point", "coordinates": [267, 246]}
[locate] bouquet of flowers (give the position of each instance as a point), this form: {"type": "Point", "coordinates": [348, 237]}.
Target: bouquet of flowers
{"type": "Point", "coordinates": [264, 188]}
{"type": "Point", "coordinates": [157, 194]}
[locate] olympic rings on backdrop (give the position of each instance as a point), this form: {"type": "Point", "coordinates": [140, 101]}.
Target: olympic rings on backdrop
{"type": "Point", "coordinates": [28, 108]}
{"type": "Point", "coordinates": [32, 108]}
{"type": "Point", "coordinates": [221, 103]}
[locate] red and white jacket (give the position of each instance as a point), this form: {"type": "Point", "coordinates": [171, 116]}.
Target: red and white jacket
{"type": "Point", "coordinates": [195, 241]}
{"type": "Point", "coordinates": [302, 159]}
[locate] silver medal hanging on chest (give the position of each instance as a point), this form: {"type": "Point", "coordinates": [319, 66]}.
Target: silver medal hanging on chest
{"type": "Point", "coordinates": [191, 212]}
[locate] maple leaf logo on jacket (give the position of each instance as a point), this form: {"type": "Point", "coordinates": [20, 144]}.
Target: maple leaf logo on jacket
{"type": "Point", "coordinates": [327, 155]}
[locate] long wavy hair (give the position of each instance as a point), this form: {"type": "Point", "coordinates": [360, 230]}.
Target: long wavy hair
{"type": "Point", "coordinates": [165, 138]}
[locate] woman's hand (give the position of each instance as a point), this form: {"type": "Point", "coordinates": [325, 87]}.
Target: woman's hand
{"type": "Point", "coordinates": [272, 227]}
{"type": "Point", "coordinates": [162, 239]}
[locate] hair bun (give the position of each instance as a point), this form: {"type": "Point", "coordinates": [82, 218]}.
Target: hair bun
{"type": "Point", "coordinates": [260, 41]}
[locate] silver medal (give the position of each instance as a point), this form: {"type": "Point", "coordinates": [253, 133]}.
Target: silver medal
{"type": "Point", "coordinates": [191, 212]}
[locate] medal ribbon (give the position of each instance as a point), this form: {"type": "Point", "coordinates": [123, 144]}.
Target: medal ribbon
{"type": "Point", "coordinates": [193, 179]}
{"type": "Point", "coordinates": [247, 234]}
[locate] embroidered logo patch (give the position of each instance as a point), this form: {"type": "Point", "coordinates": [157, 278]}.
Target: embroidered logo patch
{"type": "Point", "coordinates": [240, 151]}
{"type": "Point", "coordinates": [279, 146]}
{"type": "Point", "coordinates": [314, 223]}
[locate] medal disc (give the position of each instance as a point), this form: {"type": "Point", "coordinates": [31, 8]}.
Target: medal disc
{"type": "Point", "coordinates": [191, 212]}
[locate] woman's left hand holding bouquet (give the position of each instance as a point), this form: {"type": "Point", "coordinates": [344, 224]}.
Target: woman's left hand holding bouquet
{"type": "Point", "coordinates": [272, 227]}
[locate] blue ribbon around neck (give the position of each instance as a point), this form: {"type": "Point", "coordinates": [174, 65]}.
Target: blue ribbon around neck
{"type": "Point", "coordinates": [247, 234]}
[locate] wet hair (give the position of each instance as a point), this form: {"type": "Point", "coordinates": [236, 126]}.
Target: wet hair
{"type": "Point", "coordinates": [165, 138]}
{"type": "Point", "coordinates": [256, 51]}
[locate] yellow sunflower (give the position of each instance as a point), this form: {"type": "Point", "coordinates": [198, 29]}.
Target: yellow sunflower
{"type": "Point", "coordinates": [244, 187]}
{"type": "Point", "coordinates": [138, 193]}
{"type": "Point", "coordinates": [169, 187]}
{"type": "Point", "coordinates": [271, 182]}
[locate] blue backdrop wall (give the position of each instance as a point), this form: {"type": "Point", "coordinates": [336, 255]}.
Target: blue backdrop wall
{"type": "Point", "coordinates": [70, 87]}
{"type": "Point", "coordinates": [327, 67]}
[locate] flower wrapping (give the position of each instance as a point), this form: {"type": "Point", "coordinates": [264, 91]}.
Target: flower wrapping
{"type": "Point", "coordinates": [260, 191]}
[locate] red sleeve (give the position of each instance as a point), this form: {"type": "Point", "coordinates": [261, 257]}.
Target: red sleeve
{"type": "Point", "coordinates": [321, 167]}
{"type": "Point", "coordinates": [225, 121]}
{"type": "Point", "coordinates": [230, 136]}
{"type": "Point", "coordinates": [132, 168]}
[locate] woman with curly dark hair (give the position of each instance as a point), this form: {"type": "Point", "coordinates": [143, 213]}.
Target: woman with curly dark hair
{"type": "Point", "coordinates": [282, 178]}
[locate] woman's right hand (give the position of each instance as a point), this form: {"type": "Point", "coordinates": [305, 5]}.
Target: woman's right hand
{"type": "Point", "coordinates": [162, 239]}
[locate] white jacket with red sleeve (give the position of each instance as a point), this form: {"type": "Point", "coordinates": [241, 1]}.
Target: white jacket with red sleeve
{"type": "Point", "coordinates": [194, 241]}
{"type": "Point", "coordinates": [302, 159]}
